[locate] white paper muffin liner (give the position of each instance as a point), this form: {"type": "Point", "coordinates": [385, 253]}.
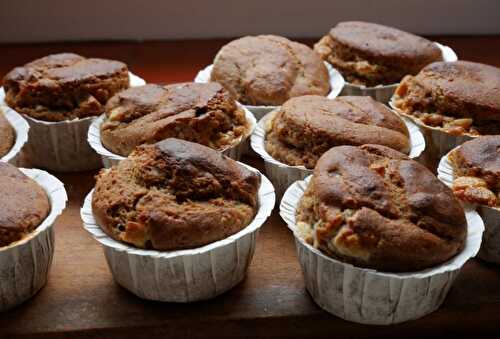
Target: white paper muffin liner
{"type": "Point", "coordinates": [383, 93]}
{"type": "Point", "coordinates": [438, 142]}
{"type": "Point", "coordinates": [25, 264]}
{"type": "Point", "coordinates": [62, 146]}
{"type": "Point", "coordinates": [283, 175]}
{"type": "Point", "coordinates": [336, 85]}
{"type": "Point", "coordinates": [109, 158]}
{"type": "Point", "coordinates": [490, 247]}
{"type": "Point", "coordinates": [185, 275]}
{"type": "Point", "coordinates": [368, 296]}
{"type": "Point", "coordinates": [21, 129]}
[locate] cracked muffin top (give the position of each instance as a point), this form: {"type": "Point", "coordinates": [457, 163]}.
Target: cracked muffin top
{"type": "Point", "coordinates": [459, 97]}
{"type": "Point", "coordinates": [373, 207]}
{"type": "Point", "coordinates": [269, 69]}
{"type": "Point", "coordinates": [305, 127]}
{"type": "Point", "coordinates": [174, 195]}
{"type": "Point", "coordinates": [64, 86]}
{"type": "Point", "coordinates": [23, 204]}
{"type": "Point", "coordinates": [476, 166]}
{"type": "Point", "coordinates": [7, 135]}
{"type": "Point", "coordinates": [200, 112]}
{"type": "Point", "coordinates": [370, 54]}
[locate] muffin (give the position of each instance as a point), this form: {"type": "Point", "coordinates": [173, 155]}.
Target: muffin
{"type": "Point", "coordinates": [458, 98]}
{"type": "Point", "coordinates": [59, 95]}
{"type": "Point", "coordinates": [7, 135]}
{"type": "Point", "coordinates": [379, 238]}
{"type": "Point", "coordinates": [30, 202]}
{"type": "Point", "coordinates": [369, 54]}
{"type": "Point", "coordinates": [64, 86]}
{"type": "Point", "coordinates": [373, 207]}
{"type": "Point", "coordinates": [306, 127]}
{"type": "Point", "coordinates": [476, 166]}
{"type": "Point", "coordinates": [174, 195]}
{"type": "Point", "coordinates": [200, 112]}
{"type": "Point", "coordinates": [269, 69]}
{"type": "Point", "coordinates": [24, 207]}
{"type": "Point", "coordinates": [472, 170]}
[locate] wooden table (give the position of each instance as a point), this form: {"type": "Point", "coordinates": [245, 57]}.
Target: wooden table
{"type": "Point", "coordinates": [81, 300]}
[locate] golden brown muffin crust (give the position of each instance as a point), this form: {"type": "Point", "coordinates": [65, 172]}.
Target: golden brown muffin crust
{"type": "Point", "coordinates": [476, 165]}
{"type": "Point", "coordinates": [371, 54]}
{"type": "Point", "coordinates": [373, 207]}
{"type": "Point", "coordinates": [459, 97]}
{"type": "Point", "coordinates": [24, 204]}
{"type": "Point", "coordinates": [64, 86]}
{"type": "Point", "coordinates": [7, 135]}
{"type": "Point", "coordinates": [174, 195]}
{"type": "Point", "coordinates": [306, 127]}
{"type": "Point", "coordinates": [268, 70]}
{"type": "Point", "coordinates": [200, 112]}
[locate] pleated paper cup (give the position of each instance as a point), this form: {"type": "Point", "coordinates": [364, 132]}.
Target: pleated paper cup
{"type": "Point", "coordinates": [490, 247]}
{"type": "Point", "coordinates": [62, 146]}
{"type": "Point", "coordinates": [110, 159]}
{"type": "Point", "coordinates": [185, 275]}
{"type": "Point", "coordinates": [438, 142]}
{"type": "Point", "coordinates": [21, 129]}
{"type": "Point", "coordinates": [25, 264]}
{"type": "Point", "coordinates": [368, 296]}
{"type": "Point", "coordinates": [336, 85]}
{"type": "Point", "coordinates": [383, 93]}
{"type": "Point", "coordinates": [283, 175]}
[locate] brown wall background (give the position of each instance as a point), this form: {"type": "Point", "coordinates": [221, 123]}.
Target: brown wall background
{"type": "Point", "coordinates": [70, 20]}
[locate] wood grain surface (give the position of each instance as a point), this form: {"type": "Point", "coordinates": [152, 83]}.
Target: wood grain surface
{"type": "Point", "coordinates": [81, 300]}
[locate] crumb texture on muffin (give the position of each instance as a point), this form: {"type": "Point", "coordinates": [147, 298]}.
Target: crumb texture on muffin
{"type": "Point", "coordinates": [64, 86]}
{"type": "Point", "coordinates": [7, 135]}
{"type": "Point", "coordinates": [459, 97]}
{"type": "Point", "coordinates": [200, 112]}
{"type": "Point", "coordinates": [175, 195]}
{"type": "Point", "coordinates": [269, 69]}
{"type": "Point", "coordinates": [476, 166]}
{"type": "Point", "coordinates": [306, 127]}
{"type": "Point", "coordinates": [370, 54]}
{"type": "Point", "coordinates": [23, 205]}
{"type": "Point", "coordinates": [373, 207]}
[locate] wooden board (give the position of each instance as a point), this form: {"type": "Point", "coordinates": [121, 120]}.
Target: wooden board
{"type": "Point", "coordinates": [81, 300]}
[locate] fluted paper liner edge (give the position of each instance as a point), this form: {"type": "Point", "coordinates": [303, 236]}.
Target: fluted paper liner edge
{"type": "Point", "coordinates": [25, 264]}
{"type": "Point", "coordinates": [109, 158]}
{"type": "Point", "coordinates": [21, 129]}
{"type": "Point", "coordinates": [366, 295]}
{"type": "Point", "coordinates": [336, 85]}
{"type": "Point", "coordinates": [185, 275]}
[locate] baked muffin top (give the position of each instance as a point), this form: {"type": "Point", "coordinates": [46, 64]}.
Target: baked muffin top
{"type": "Point", "coordinates": [7, 135]}
{"type": "Point", "coordinates": [175, 195]}
{"type": "Point", "coordinates": [305, 127]}
{"type": "Point", "coordinates": [476, 164]}
{"type": "Point", "coordinates": [64, 86]}
{"type": "Point", "coordinates": [23, 204]}
{"type": "Point", "coordinates": [386, 42]}
{"type": "Point", "coordinates": [269, 69]}
{"type": "Point", "coordinates": [371, 54]}
{"type": "Point", "coordinates": [460, 97]}
{"type": "Point", "coordinates": [373, 207]}
{"type": "Point", "coordinates": [200, 112]}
